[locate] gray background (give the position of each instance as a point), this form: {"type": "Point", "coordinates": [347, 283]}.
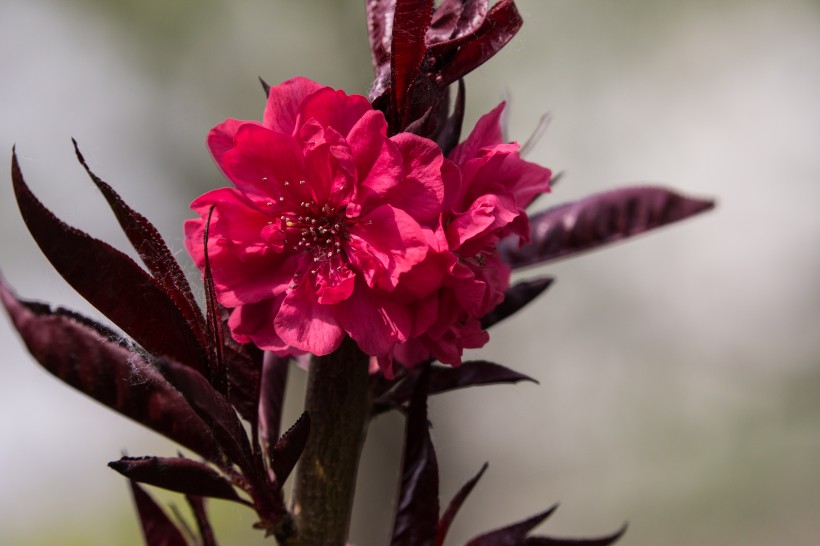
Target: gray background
{"type": "Point", "coordinates": [680, 373]}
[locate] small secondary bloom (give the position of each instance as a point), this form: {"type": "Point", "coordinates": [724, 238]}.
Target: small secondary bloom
{"type": "Point", "coordinates": [494, 186]}
{"type": "Point", "coordinates": [331, 228]}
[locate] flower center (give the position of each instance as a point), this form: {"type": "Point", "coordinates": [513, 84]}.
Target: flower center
{"type": "Point", "coordinates": [319, 231]}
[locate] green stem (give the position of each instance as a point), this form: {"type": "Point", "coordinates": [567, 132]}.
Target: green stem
{"type": "Point", "coordinates": [339, 405]}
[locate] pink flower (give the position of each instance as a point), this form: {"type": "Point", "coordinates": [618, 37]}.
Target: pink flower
{"type": "Point", "coordinates": [495, 187]}
{"type": "Point", "coordinates": [331, 228]}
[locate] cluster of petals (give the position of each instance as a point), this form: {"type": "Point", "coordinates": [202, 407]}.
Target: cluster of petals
{"type": "Point", "coordinates": [334, 229]}
{"type": "Point", "coordinates": [491, 187]}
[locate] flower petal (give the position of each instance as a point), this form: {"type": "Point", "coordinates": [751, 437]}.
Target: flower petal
{"type": "Point", "coordinates": [284, 102]}
{"type": "Point", "coordinates": [306, 324]}
{"type": "Point", "coordinates": [487, 132]}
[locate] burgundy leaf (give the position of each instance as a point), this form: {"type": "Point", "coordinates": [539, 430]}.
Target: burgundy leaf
{"type": "Point", "coordinates": [86, 356]}
{"type": "Point", "coordinates": [147, 241]}
{"type": "Point", "coordinates": [157, 528]}
{"type": "Point", "coordinates": [451, 131]}
{"type": "Point", "coordinates": [472, 17]}
{"type": "Point", "coordinates": [597, 220]}
{"type": "Point", "coordinates": [244, 367]}
{"type": "Point", "coordinates": [212, 408]}
{"type": "Point", "coordinates": [444, 21]}
{"type": "Point", "coordinates": [516, 298]}
{"type": "Point", "coordinates": [410, 23]}
{"type": "Point", "coordinates": [289, 448]}
{"type": "Point", "coordinates": [380, 29]}
{"type": "Point", "coordinates": [218, 414]}
{"type": "Point", "coordinates": [455, 505]}
{"type": "Point", "coordinates": [177, 474]}
{"type": "Point", "coordinates": [601, 541]}
{"type": "Point", "coordinates": [445, 378]}
{"type": "Point", "coordinates": [455, 58]}
{"type": "Point", "coordinates": [110, 281]}
{"type": "Point", "coordinates": [197, 505]}
{"type": "Point", "coordinates": [417, 508]}
{"type": "Point", "coordinates": [265, 86]}
{"type": "Point", "coordinates": [512, 535]}
{"type": "Point", "coordinates": [217, 375]}
{"type": "Point", "coordinates": [271, 398]}
{"type": "Point", "coordinates": [472, 373]}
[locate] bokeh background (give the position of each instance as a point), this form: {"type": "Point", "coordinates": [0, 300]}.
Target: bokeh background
{"type": "Point", "coordinates": [680, 372]}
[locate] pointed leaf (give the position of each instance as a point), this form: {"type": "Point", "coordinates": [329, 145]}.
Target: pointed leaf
{"type": "Point", "coordinates": [271, 398]}
{"type": "Point", "coordinates": [155, 254]}
{"type": "Point", "coordinates": [86, 356]}
{"type": "Point", "coordinates": [197, 505]}
{"type": "Point", "coordinates": [410, 23]}
{"type": "Point", "coordinates": [212, 408]}
{"type": "Point", "coordinates": [454, 506]}
{"type": "Point", "coordinates": [512, 535]}
{"type": "Point", "coordinates": [417, 508]}
{"type": "Point", "coordinates": [456, 58]}
{"type": "Point", "coordinates": [516, 298]}
{"type": "Point", "coordinates": [244, 367]}
{"type": "Point", "coordinates": [289, 448]}
{"type": "Point", "coordinates": [218, 377]}
{"type": "Point", "coordinates": [600, 541]}
{"type": "Point", "coordinates": [177, 474]}
{"type": "Point", "coordinates": [472, 373]}
{"type": "Point", "coordinates": [157, 528]}
{"type": "Point", "coordinates": [597, 220]}
{"type": "Point", "coordinates": [109, 280]}
{"type": "Point", "coordinates": [445, 378]}
{"type": "Point", "coordinates": [265, 86]}
{"type": "Point", "coordinates": [218, 414]}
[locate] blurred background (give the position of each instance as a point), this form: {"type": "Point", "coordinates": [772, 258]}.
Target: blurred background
{"type": "Point", "coordinates": [679, 373]}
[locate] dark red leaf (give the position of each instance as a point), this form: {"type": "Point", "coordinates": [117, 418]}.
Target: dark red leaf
{"type": "Point", "coordinates": [451, 131]}
{"type": "Point", "coordinates": [155, 254]}
{"type": "Point", "coordinates": [597, 220]}
{"type": "Point", "coordinates": [410, 23]}
{"type": "Point", "coordinates": [157, 528]}
{"type": "Point", "coordinates": [455, 505]}
{"type": "Point", "coordinates": [218, 414]}
{"type": "Point", "coordinates": [244, 367]}
{"type": "Point", "coordinates": [87, 356]}
{"type": "Point", "coordinates": [218, 376]}
{"type": "Point", "coordinates": [110, 281]}
{"type": "Point", "coordinates": [445, 378]}
{"type": "Point", "coordinates": [516, 298]}
{"type": "Point", "coordinates": [177, 474]}
{"type": "Point", "coordinates": [472, 17]}
{"type": "Point", "coordinates": [444, 21]}
{"type": "Point", "coordinates": [271, 398]}
{"type": "Point", "coordinates": [265, 86]}
{"type": "Point", "coordinates": [212, 408]}
{"type": "Point", "coordinates": [380, 30]}
{"type": "Point", "coordinates": [289, 448]}
{"type": "Point", "coordinates": [197, 505]}
{"type": "Point", "coordinates": [601, 541]}
{"type": "Point", "coordinates": [512, 535]}
{"type": "Point", "coordinates": [417, 508]}
{"type": "Point", "coordinates": [455, 58]}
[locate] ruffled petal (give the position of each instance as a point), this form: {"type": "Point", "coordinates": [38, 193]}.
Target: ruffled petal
{"type": "Point", "coordinates": [332, 108]}
{"type": "Point", "coordinates": [375, 323]}
{"type": "Point", "coordinates": [306, 324]}
{"type": "Point", "coordinates": [384, 244]}
{"type": "Point", "coordinates": [487, 132]}
{"type": "Point", "coordinates": [284, 102]}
